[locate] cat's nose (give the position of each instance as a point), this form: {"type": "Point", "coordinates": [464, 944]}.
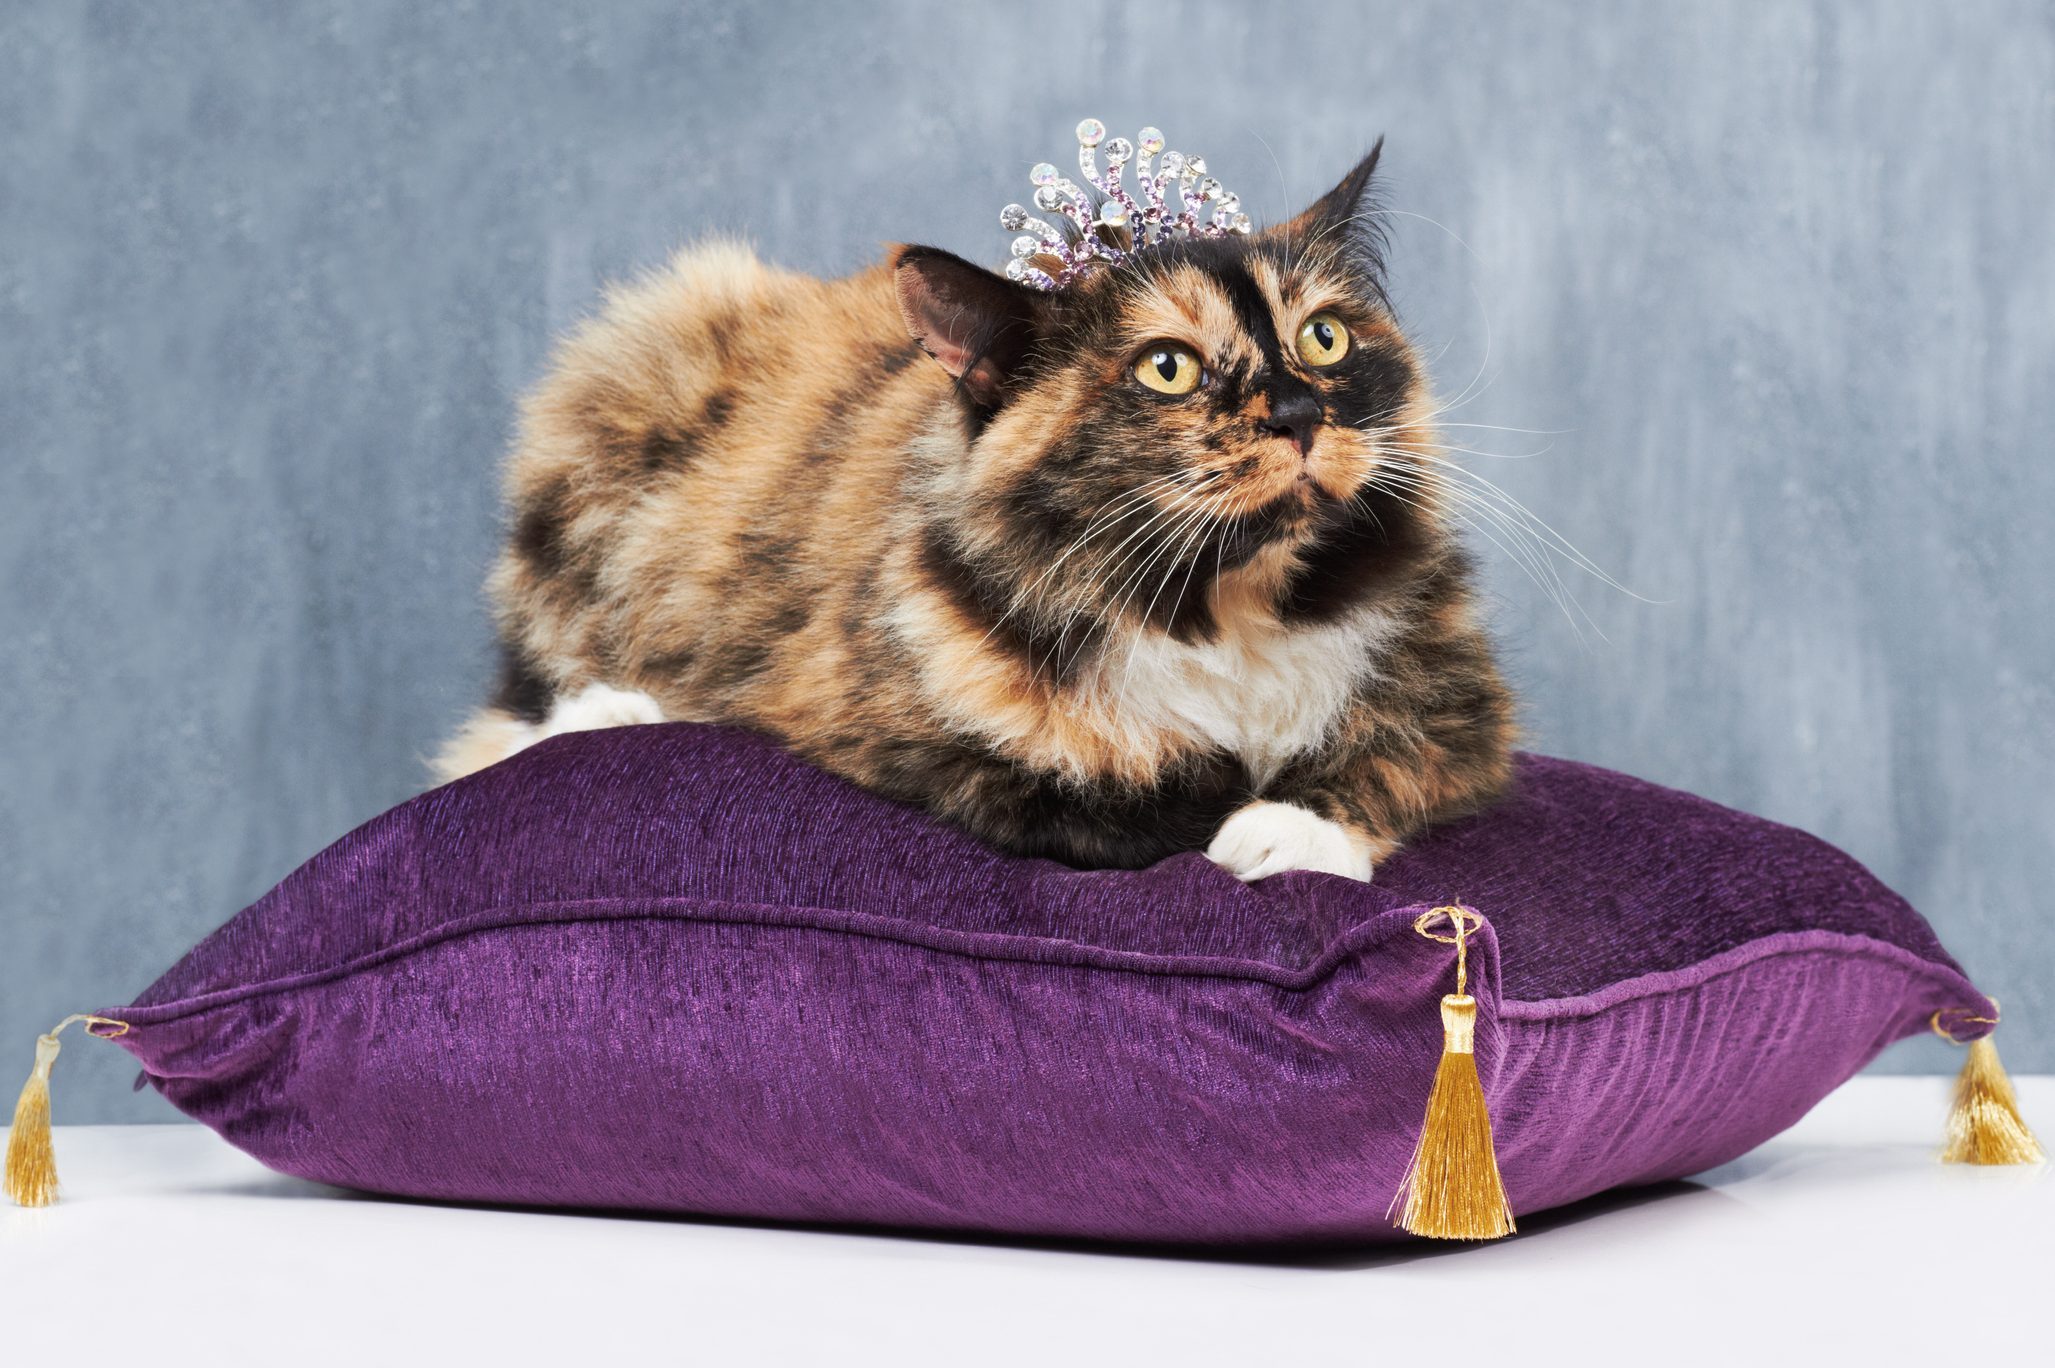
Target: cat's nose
{"type": "Point", "coordinates": [1294, 417]}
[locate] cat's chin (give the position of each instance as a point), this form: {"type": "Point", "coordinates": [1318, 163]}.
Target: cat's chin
{"type": "Point", "coordinates": [1306, 497]}
{"type": "Point", "coordinates": [1294, 512]}
{"type": "Point", "coordinates": [1300, 514]}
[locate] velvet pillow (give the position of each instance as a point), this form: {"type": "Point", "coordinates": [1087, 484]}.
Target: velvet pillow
{"type": "Point", "coordinates": [672, 969]}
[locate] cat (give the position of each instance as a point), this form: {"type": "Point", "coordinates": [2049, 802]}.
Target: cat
{"type": "Point", "coordinates": [1154, 562]}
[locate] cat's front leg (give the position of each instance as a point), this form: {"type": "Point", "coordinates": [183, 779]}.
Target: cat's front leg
{"type": "Point", "coordinates": [597, 706]}
{"type": "Point", "coordinates": [492, 734]}
{"type": "Point", "coordinates": [1269, 837]}
{"type": "Point", "coordinates": [1345, 813]}
{"type": "Point", "coordinates": [1385, 773]}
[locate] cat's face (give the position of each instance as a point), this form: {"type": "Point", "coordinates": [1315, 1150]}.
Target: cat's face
{"type": "Point", "coordinates": [1213, 408]}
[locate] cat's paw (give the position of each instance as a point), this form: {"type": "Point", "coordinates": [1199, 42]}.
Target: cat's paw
{"type": "Point", "coordinates": [1268, 838]}
{"type": "Point", "coordinates": [601, 705]}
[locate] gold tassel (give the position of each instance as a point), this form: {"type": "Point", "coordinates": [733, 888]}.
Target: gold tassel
{"type": "Point", "coordinates": [31, 1159]}
{"type": "Point", "coordinates": [1452, 1189]}
{"type": "Point", "coordinates": [1984, 1125]}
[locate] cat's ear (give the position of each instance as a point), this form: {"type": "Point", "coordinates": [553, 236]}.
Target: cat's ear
{"type": "Point", "coordinates": [977, 323]}
{"type": "Point", "coordinates": [1343, 216]}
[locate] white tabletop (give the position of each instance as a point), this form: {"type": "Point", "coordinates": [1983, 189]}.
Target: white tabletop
{"type": "Point", "coordinates": [1842, 1240]}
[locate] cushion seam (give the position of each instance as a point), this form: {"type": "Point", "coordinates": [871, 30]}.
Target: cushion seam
{"type": "Point", "coordinates": [1726, 963]}
{"type": "Point", "coordinates": [1060, 953]}
{"type": "Point", "coordinates": [1054, 951]}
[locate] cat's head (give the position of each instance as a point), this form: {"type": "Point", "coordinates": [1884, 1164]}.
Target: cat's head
{"type": "Point", "coordinates": [1213, 415]}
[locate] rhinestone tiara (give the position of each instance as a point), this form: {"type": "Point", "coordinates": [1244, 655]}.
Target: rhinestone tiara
{"type": "Point", "coordinates": [1049, 255]}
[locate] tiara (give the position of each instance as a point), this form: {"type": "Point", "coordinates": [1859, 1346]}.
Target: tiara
{"type": "Point", "coordinates": [1048, 256]}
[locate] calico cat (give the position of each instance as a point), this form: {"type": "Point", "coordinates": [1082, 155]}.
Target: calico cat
{"type": "Point", "coordinates": [1156, 561]}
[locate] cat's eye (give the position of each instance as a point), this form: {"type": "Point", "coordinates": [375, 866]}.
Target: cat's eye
{"type": "Point", "coordinates": [1168, 368]}
{"type": "Point", "coordinates": [1323, 340]}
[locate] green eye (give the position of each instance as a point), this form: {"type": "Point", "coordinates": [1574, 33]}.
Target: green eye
{"type": "Point", "coordinates": [1168, 368]}
{"type": "Point", "coordinates": [1323, 340]}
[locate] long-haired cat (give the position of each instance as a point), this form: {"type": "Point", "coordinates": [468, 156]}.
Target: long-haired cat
{"type": "Point", "coordinates": [1157, 561]}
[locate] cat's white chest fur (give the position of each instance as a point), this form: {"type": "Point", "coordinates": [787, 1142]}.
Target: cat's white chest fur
{"type": "Point", "coordinates": [1264, 692]}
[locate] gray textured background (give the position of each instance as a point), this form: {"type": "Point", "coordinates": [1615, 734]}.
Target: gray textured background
{"type": "Point", "coordinates": [271, 277]}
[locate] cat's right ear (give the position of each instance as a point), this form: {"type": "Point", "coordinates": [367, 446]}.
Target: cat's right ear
{"type": "Point", "coordinates": [977, 323]}
{"type": "Point", "coordinates": [1345, 217]}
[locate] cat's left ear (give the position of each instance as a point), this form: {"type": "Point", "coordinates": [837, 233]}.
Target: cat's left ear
{"type": "Point", "coordinates": [1342, 215]}
{"type": "Point", "coordinates": [977, 323]}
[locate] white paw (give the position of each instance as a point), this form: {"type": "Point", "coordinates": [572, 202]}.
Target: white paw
{"type": "Point", "coordinates": [600, 705]}
{"type": "Point", "coordinates": [1267, 838]}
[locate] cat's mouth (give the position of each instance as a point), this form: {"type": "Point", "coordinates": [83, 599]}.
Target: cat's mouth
{"type": "Point", "coordinates": [1309, 474]}
{"type": "Point", "coordinates": [1304, 489]}
{"type": "Point", "coordinates": [1308, 507]}
{"type": "Point", "coordinates": [1290, 503]}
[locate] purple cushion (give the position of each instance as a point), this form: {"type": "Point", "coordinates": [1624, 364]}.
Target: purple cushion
{"type": "Point", "coordinates": [671, 968]}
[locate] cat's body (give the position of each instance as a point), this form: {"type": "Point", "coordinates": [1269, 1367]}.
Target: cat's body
{"type": "Point", "coordinates": [1078, 616]}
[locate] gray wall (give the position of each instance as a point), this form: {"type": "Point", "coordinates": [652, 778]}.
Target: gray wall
{"type": "Point", "coordinates": [271, 277]}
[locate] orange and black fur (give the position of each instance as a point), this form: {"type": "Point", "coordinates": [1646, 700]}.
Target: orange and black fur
{"type": "Point", "coordinates": [1154, 562]}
